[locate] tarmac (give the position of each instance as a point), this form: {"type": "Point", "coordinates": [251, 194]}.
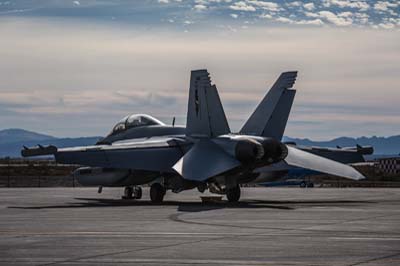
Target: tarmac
{"type": "Point", "coordinates": [270, 226]}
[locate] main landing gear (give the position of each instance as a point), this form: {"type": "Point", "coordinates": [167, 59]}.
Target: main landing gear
{"type": "Point", "coordinates": [233, 193]}
{"type": "Point", "coordinates": [305, 184]}
{"type": "Point", "coordinates": [157, 193]}
{"type": "Point", "coordinates": [132, 193]}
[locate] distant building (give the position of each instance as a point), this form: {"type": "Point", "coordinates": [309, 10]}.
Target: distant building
{"type": "Point", "coordinates": [389, 166]}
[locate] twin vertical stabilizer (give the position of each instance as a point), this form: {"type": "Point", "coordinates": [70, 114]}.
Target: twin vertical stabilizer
{"type": "Point", "coordinates": [206, 116]}
{"type": "Point", "coordinates": [271, 115]}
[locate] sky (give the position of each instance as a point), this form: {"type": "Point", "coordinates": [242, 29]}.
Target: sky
{"type": "Point", "coordinates": [74, 68]}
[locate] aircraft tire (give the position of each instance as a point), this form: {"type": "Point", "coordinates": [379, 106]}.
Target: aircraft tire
{"type": "Point", "coordinates": [137, 191]}
{"type": "Point", "coordinates": [233, 194]}
{"type": "Point", "coordinates": [310, 185]}
{"type": "Point", "coordinates": [157, 193]}
{"type": "Point", "coordinates": [128, 192]}
{"type": "Point", "coordinates": [303, 184]}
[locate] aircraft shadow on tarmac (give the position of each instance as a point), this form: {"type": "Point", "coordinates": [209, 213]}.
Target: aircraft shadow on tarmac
{"type": "Point", "coordinates": [198, 206]}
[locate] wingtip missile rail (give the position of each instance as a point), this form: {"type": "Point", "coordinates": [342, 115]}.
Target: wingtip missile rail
{"type": "Point", "coordinates": [38, 151]}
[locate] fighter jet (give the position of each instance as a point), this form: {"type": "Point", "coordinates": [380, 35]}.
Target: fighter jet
{"type": "Point", "coordinates": [204, 155]}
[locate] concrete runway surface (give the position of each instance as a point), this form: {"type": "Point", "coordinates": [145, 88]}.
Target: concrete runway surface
{"type": "Point", "coordinates": [270, 226]}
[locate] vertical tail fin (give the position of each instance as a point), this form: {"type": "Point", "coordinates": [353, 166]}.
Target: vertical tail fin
{"type": "Point", "coordinates": [271, 115]}
{"type": "Point", "coordinates": [276, 125]}
{"type": "Point", "coordinates": [206, 116]}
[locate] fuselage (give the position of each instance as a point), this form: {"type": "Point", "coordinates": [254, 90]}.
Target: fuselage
{"type": "Point", "coordinates": [135, 128]}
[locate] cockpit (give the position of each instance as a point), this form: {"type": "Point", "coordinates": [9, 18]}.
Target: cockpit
{"type": "Point", "coordinates": [139, 126]}
{"type": "Point", "coordinates": [133, 121]}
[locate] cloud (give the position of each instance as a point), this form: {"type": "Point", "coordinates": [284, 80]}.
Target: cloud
{"type": "Point", "coordinates": [104, 72]}
{"type": "Point", "coordinates": [345, 14]}
{"type": "Point", "coordinates": [333, 18]}
{"type": "Point", "coordinates": [387, 26]}
{"type": "Point", "coordinates": [234, 15]}
{"type": "Point", "coordinates": [144, 14]}
{"type": "Point", "coordinates": [311, 14]}
{"type": "Point", "coordinates": [200, 7]}
{"type": "Point", "coordinates": [362, 18]}
{"type": "Point", "coordinates": [346, 18]}
{"type": "Point", "coordinates": [242, 6]}
{"type": "Point", "coordinates": [316, 22]}
{"type": "Point", "coordinates": [294, 4]}
{"type": "Point", "coordinates": [271, 6]}
{"type": "Point", "coordinates": [267, 16]}
{"type": "Point", "coordinates": [362, 5]}
{"type": "Point", "coordinates": [77, 3]}
{"type": "Point", "coordinates": [385, 5]}
{"type": "Point", "coordinates": [284, 20]}
{"type": "Point", "coordinates": [309, 6]}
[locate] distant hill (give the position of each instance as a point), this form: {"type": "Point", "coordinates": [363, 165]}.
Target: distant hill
{"type": "Point", "coordinates": [382, 145]}
{"type": "Point", "coordinates": [17, 135]}
{"type": "Point", "coordinates": [12, 140]}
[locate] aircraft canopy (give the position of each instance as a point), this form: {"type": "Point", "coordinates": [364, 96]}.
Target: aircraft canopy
{"type": "Point", "coordinates": [135, 120]}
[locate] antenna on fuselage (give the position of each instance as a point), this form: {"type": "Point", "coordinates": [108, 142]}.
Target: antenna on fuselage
{"type": "Point", "coordinates": [173, 121]}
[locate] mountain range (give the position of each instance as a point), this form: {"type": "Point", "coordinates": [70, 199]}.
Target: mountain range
{"type": "Point", "coordinates": [12, 140]}
{"type": "Point", "coordinates": [382, 145]}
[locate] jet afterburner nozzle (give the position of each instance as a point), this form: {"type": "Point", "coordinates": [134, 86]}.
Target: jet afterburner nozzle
{"type": "Point", "coordinates": [274, 150]}
{"type": "Point", "coordinates": [248, 150]}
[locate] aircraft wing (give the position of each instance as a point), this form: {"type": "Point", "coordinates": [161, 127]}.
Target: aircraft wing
{"type": "Point", "coordinates": [148, 155]}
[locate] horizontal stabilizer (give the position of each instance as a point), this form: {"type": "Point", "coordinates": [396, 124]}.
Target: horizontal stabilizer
{"type": "Point", "coordinates": [203, 161]}
{"type": "Point", "coordinates": [310, 161]}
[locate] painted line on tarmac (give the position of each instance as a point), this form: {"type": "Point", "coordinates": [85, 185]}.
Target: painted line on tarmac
{"type": "Point", "coordinates": [366, 238]}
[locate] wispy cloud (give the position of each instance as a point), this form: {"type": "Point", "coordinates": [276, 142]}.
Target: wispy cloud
{"type": "Point", "coordinates": [211, 13]}
{"type": "Point", "coordinates": [362, 5]}
{"type": "Point", "coordinates": [93, 74]}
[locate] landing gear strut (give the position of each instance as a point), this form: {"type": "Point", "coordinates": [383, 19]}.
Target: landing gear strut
{"type": "Point", "coordinates": [128, 192]}
{"type": "Point", "coordinates": [137, 192]}
{"type": "Point", "coordinates": [233, 193]}
{"type": "Point", "coordinates": [157, 193]}
{"type": "Point", "coordinates": [132, 193]}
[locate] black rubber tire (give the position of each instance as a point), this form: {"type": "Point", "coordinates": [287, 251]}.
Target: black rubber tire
{"type": "Point", "coordinates": [233, 194]}
{"type": "Point", "coordinates": [138, 192]}
{"type": "Point", "coordinates": [157, 193]}
{"type": "Point", "coordinates": [128, 192]}
{"type": "Point", "coordinates": [310, 185]}
{"type": "Point", "coordinates": [303, 184]}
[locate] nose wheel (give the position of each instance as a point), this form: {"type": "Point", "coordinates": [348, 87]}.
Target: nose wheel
{"type": "Point", "coordinates": [132, 193]}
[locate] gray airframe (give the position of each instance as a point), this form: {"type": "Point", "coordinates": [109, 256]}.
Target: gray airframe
{"type": "Point", "coordinates": [204, 155]}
